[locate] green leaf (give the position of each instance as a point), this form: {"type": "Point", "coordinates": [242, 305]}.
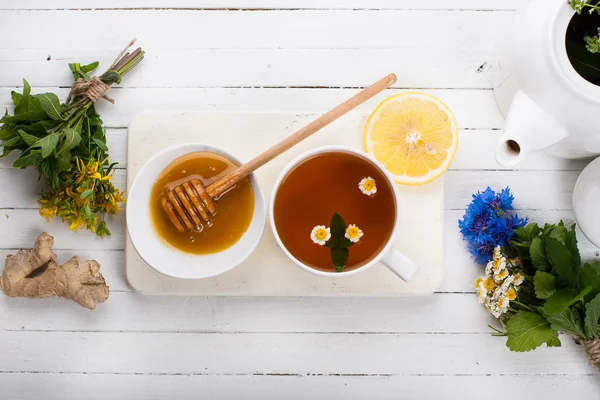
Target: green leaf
{"type": "Point", "coordinates": [562, 299]}
{"type": "Point", "coordinates": [86, 194]}
{"type": "Point", "coordinates": [592, 315]}
{"type": "Point", "coordinates": [90, 67]}
{"type": "Point", "coordinates": [26, 88]}
{"type": "Point", "coordinates": [25, 116]}
{"type": "Point", "coordinates": [537, 254]}
{"type": "Point", "coordinates": [15, 141]}
{"type": "Point", "coordinates": [561, 260]}
{"type": "Point", "coordinates": [25, 98]}
{"type": "Point", "coordinates": [338, 226]}
{"type": "Point", "coordinates": [110, 77]}
{"type": "Point", "coordinates": [339, 257]}
{"type": "Point", "coordinates": [344, 242]}
{"type": "Point", "coordinates": [528, 331]}
{"type": "Point", "coordinates": [51, 105]}
{"type": "Point", "coordinates": [528, 232]}
{"type": "Point", "coordinates": [558, 232]}
{"type": "Point", "coordinates": [16, 98]}
{"type": "Point", "coordinates": [72, 139]}
{"type": "Point", "coordinates": [29, 139]}
{"type": "Point", "coordinates": [544, 284]}
{"type": "Point", "coordinates": [63, 161]}
{"type": "Point", "coordinates": [571, 243]}
{"type": "Point", "coordinates": [48, 143]}
{"type": "Point", "coordinates": [567, 321]}
{"type": "Point", "coordinates": [589, 275]}
{"type": "Point", "coordinates": [33, 159]}
{"type": "Point", "coordinates": [331, 243]}
{"type": "Point", "coordinates": [7, 132]}
{"type": "Point", "coordinates": [103, 147]}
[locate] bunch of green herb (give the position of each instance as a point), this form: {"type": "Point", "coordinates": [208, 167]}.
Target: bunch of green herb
{"type": "Point", "coordinates": [67, 145]}
{"type": "Point", "coordinates": [559, 294]}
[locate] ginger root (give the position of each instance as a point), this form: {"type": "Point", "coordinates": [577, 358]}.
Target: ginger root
{"type": "Point", "coordinates": [33, 273]}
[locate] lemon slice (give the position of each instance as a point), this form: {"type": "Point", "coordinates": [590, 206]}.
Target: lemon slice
{"type": "Point", "coordinates": [414, 135]}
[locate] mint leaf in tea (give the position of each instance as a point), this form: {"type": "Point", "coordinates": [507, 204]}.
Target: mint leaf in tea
{"type": "Point", "coordinates": [348, 193]}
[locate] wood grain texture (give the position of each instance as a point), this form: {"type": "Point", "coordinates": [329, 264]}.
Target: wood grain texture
{"type": "Point", "coordinates": [293, 387]}
{"type": "Point", "coordinates": [474, 109]}
{"type": "Point", "coordinates": [267, 4]}
{"type": "Point", "coordinates": [287, 29]}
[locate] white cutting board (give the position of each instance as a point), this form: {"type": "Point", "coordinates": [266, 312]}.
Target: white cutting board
{"type": "Point", "coordinates": [268, 272]}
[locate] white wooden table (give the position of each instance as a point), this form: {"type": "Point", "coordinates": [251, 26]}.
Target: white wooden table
{"type": "Point", "coordinates": [292, 55]}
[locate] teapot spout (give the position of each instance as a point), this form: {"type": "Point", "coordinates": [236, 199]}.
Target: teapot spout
{"type": "Point", "coordinates": [528, 129]}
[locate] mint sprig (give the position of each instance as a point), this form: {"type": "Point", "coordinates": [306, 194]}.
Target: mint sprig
{"type": "Point", "coordinates": [338, 243]}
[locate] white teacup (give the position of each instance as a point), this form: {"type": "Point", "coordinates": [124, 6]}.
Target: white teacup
{"type": "Point", "coordinates": [389, 256]}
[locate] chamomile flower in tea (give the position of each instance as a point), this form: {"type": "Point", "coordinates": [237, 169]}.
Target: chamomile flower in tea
{"type": "Point", "coordinates": [353, 233]}
{"type": "Point", "coordinates": [367, 186]}
{"type": "Point", "coordinates": [320, 235]}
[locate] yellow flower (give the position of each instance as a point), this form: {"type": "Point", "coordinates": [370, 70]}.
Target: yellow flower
{"type": "Point", "coordinates": [71, 193]}
{"type": "Point", "coordinates": [501, 302]}
{"type": "Point", "coordinates": [501, 275]}
{"type": "Point", "coordinates": [48, 212]}
{"type": "Point", "coordinates": [367, 186]}
{"type": "Point", "coordinates": [478, 282]}
{"type": "Point", "coordinates": [320, 235]}
{"type": "Point", "coordinates": [488, 284]}
{"type": "Point", "coordinates": [353, 233]}
{"type": "Point", "coordinates": [102, 178]}
{"type": "Point", "coordinates": [511, 294]}
{"type": "Point", "coordinates": [92, 168]}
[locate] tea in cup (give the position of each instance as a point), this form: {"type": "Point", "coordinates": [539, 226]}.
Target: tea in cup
{"type": "Point", "coordinates": [334, 212]}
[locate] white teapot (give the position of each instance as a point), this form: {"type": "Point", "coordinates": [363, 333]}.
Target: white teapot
{"type": "Point", "coordinates": [547, 104]}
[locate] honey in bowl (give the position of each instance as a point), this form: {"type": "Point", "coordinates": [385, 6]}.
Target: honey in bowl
{"type": "Point", "coordinates": [325, 184]}
{"type": "Point", "coordinates": [234, 212]}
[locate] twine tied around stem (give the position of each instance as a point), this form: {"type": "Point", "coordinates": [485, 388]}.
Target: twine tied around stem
{"type": "Point", "coordinates": [592, 348]}
{"type": "Point", "coordinates": [95, 89]}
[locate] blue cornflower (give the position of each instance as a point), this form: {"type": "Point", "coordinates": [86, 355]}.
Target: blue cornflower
{"type": "Point", "coordinates": [487, 223]}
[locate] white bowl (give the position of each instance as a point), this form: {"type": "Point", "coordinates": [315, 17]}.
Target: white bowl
{"type": "Point", "coordinates": [165, 258]}
{"type": "Point", "coordinates": [586, 202]}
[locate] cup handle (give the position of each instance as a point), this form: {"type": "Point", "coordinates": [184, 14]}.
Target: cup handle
{"type": "Point", "coordinates": [400, 265]}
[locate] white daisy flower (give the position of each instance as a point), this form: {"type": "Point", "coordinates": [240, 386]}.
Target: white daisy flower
{"type": "Point", "coordinates": [353, 233]}
{"type": "Point", "coordinates": [367, 186]}
{"type": "Point", "coordinates": [481, 296]}
{"type": "Point", "coordinates": [518, 279]}
{"type": "Point", "coordinates": [320, 235]}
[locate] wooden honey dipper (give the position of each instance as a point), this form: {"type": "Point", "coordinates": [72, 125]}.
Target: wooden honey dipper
{"type": "Point", "coordinates": [190, 204]}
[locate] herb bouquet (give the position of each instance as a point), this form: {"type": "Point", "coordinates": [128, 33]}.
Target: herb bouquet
{"type": "Point", "coordinates": [67, 144]}
{"type": "Point", "coordinates": [534, 282]}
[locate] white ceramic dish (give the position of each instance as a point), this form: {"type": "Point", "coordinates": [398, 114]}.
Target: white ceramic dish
{"type": "Point", "coordinates": [389, 256]}
{"type": "Point", "coordinates": [166, 259]}
{"type": "Point", "coordinates": [586, 202]}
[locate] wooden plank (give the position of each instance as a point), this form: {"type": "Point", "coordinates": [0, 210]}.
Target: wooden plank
{"type": "Point", "coordinates": [422, 67]}
{"type": "Point", "coordinates": [266, 4]}
{"type": "Point", "coordinates": [325, 29]}
{"type": "Point", "coordinates": [474, 109]}
{"type": "Point", "coordinates": [292, 387]}
{"type": "Point", "coordinates": [535, 190]}
{"type": "Point", "coordinates": [447, 313]}
{"type": "Point", "coordinates": [223, 353]}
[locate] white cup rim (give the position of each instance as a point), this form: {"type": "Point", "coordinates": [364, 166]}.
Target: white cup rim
{"type": "Point", "coordinates": [327, 149]}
